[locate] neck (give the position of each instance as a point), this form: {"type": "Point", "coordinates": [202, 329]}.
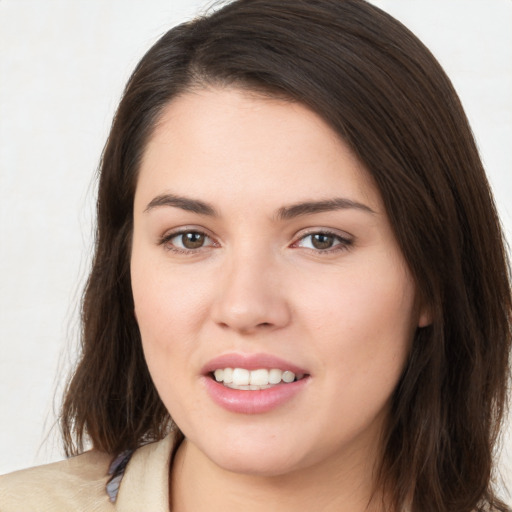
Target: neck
{"type": "Point", "coordinates": [198, 485]}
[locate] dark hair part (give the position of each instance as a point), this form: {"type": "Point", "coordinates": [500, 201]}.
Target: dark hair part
{"type": "Point", "coordinates": [383, 92]}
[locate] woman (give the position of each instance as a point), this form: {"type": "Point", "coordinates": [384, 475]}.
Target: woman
{"type": "Point", "coordinates": [298, 260]}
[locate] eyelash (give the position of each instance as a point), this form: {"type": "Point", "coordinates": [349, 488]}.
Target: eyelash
{"type": "Point", "coordinates": [341, 243]}
{"type": "Point", "coordinates": [166, 241]}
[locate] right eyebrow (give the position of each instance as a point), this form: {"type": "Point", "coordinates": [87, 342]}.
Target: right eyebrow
{"type": "Point", "coordinates": [185, 203]}
{"type": "Point", "coordinates": [312, 207]}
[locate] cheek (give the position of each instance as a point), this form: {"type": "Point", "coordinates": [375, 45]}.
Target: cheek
{"type": "Point", "coordinates": [168, 301]}
{"type": "Point", "coordinates": [167, 309]}
{"type": "Point", "coordinates": [363, 325]}
{"type": "Point", "coordinates": [366, 301]}
{"type": "Point", "coordinates": [171, 306]}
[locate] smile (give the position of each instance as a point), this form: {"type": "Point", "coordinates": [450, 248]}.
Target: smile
{"type": "Point", "coordinates": [253, 383]}
{"type": "Point", "coordinates": [254, 380]}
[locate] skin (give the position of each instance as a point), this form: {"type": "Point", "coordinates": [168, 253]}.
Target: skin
{"type": "Point", "coordinates": [258, 285]}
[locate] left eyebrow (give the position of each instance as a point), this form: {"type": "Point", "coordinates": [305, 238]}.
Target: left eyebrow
{"type": "Point", "coordinates": [184, 203]}
{"type": "Point", "coordinates": [311, 207]}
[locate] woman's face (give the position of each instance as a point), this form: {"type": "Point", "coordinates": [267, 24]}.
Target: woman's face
{"type": "Point", "coordinates": [261, 254]}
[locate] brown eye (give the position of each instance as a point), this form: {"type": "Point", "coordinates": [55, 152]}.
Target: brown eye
{"type": "Point", "coordinates": [192, 240]}
{"type": "Point", "coordinates": [322, 241]}
{"type": "Point", "coordinates": [187, 241]}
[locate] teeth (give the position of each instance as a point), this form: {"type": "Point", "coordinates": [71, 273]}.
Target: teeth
{"type": "Point", "coordinates": [247, 388]}
{"type": "Point", "coordinates": [259, 377]}
{"type": "Point", "coordinates": [228, 375]}
{"type": "Point", "coordinates": [288, 376]}
{"type": "Point", "coordinates": [240, 378]}
{"type": "Point", "coordinates": [274, 376]}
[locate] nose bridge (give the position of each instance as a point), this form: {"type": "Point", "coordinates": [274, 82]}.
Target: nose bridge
{"type": "Point", "coordinates": [249, 297]}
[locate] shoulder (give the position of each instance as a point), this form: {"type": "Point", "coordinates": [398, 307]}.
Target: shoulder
{"type": "Point", "coordinates": [93, 482]}
{"type": "Point", "coordinates": [77, 483]}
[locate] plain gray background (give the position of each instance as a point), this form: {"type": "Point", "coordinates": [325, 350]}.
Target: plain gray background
{"type": "Point", "coordinates": [63, 64]}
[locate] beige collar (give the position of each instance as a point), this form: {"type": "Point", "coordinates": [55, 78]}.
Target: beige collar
{"type": "Point", "coordinates": [145, 484]}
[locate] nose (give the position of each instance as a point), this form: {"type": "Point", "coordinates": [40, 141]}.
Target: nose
{"type": "Point", "coordinates": [250, 297]}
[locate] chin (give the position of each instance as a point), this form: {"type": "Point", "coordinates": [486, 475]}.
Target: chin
{"type": "Point", "coordinates": [266, 459]}
{"type": "Point", "coordinates": [264, 465]}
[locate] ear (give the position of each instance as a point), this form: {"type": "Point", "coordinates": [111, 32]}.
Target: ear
{"type": "Point", "coordinates": [425, 316]}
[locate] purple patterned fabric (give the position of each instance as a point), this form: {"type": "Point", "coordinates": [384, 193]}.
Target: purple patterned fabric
{"type": "Point", "coordinates": [116, 469]}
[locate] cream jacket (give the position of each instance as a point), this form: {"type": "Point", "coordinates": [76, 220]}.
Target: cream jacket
{"type": "Point", "coordinates": [79, 484]}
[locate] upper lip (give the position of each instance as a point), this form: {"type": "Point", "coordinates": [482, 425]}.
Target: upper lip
{"type": "Point", "coordinates": [250, 362]}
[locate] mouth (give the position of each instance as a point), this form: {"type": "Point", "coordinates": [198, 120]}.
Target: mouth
{"type": "Point", "coordinates": [253, 383]}
{"type": "Point", "coordinates": [254, 380]}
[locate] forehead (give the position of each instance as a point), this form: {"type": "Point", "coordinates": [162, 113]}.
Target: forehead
{"type": "Point", "coordinates": [225, 143]}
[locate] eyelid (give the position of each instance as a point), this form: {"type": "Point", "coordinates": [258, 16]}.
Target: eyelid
{"type": "Point", "coordinates": [165, 239]}
{"type": "Point", "coordinates": [345, 240]}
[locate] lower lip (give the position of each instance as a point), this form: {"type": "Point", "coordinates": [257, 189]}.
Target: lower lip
{"type": "Point", "coordinates": [253, 402]}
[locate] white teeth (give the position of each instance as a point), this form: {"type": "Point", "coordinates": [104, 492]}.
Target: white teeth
{"type": "Point", "coordinates": [240, 378]}
{"type": "Point", "coordinates": [274, 376]}
{"type": "Point", "coordinates": [288, 376]}
{"type": "Point", "coordinates": [259, 377]}
{"type": "Point", "coordinates": [228, 375]}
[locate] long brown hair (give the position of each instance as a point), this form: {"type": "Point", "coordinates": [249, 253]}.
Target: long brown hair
{"type": "Point", "coordinates": [383, 92]}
